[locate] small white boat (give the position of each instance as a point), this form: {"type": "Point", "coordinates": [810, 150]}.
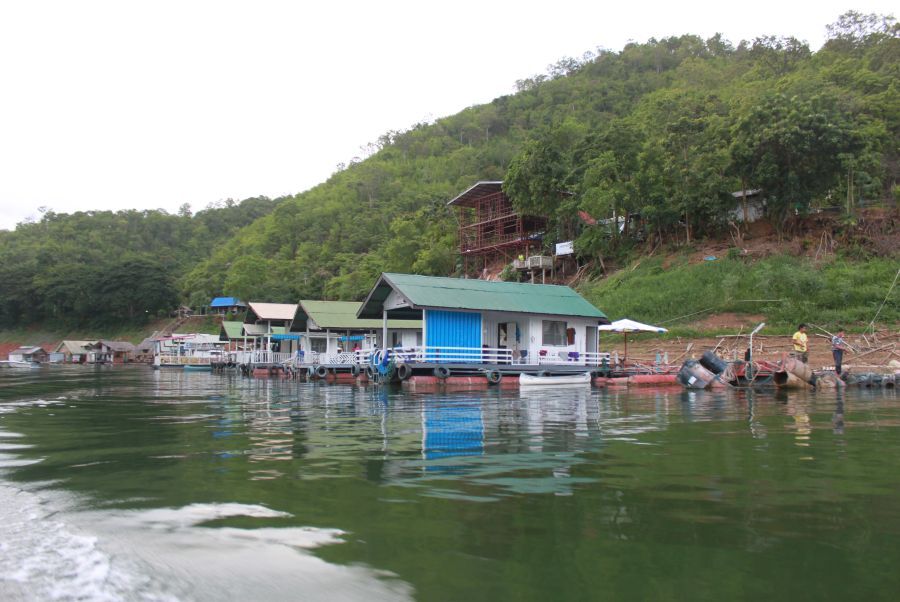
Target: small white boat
{"type": "Point", "coordinates": [18, 364]}
{"type": "Point", "coordinates": [527, 380]}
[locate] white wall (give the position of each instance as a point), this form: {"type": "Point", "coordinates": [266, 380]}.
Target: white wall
{"type": "Point", "coordinates": [531, 332]}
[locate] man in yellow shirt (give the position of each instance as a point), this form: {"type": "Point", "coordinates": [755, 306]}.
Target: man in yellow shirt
{"type": "Point", "coordinates": [800, 347]}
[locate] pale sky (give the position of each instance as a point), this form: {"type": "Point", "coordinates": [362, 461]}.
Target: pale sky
{"type": "Point", "coordinates": [124, 104]}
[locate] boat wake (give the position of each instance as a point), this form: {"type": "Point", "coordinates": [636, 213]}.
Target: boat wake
{"type": "Point", "coordinates": [51, 551]}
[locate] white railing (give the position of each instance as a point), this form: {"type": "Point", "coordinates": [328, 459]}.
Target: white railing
{"type": "Point", "coordinates": [576, 358]}
{"type": "Point", "coordinates": [348, 358]}
{"type": "Point", "coordinates": [183, 360]}
{"type": "Point", "coordinates": [345, 358]}
{"type": "Point", "coordinates": [259, 357]}
{"type": "Point", "coordinates": [460, 355]}
{"type": "Point", "coordinates": [492, 355]}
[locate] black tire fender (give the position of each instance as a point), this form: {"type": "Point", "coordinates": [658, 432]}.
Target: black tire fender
{"type": "Point", "coordinates": [403, 372]}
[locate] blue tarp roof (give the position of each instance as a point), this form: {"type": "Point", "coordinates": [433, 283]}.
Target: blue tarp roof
{"type": "Point", "coordinates": [285, 337]}
{"type": "Point", "coordinates": [226, 302]}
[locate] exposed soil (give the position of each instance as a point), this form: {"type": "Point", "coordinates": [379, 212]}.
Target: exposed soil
{"type": "Point", "coordinates": [728, 322]}
{"type": "Point", "coordinates": [818, 236]}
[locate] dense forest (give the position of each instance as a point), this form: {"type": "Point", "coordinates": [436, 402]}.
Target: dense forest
{"type": "Point", "coordinates": [667, 129]}
{"type": "Point", "coordinates": [108, 268]}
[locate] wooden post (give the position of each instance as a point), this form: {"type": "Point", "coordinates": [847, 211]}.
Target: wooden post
{"type": "Point", "coordinates": [384, 344]}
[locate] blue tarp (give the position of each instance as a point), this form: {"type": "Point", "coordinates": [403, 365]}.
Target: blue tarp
{"type": "Point", "coordinates": [226, 302]}
{"type": "Point", "coordinates": [285, 337]}
{"type": "Point", "coordinates": [356, 337]}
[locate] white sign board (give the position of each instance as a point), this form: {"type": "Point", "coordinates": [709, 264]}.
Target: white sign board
{"type": "Point", "coordinates": [565, 248]}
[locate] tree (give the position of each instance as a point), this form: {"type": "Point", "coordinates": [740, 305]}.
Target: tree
{"type": "Point", "coordinates": [792, 148]}
{"type": "Point", "coordinates": [132, 290]}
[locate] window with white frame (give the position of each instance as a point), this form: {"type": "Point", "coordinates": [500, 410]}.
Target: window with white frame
{"type": "Point", "coordinates": [318, 344]}
{"type": "Point", "coordinates": [554, 333]}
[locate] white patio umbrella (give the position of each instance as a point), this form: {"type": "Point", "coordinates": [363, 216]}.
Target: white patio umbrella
{"type": "Point", "coordinates": [625, 326]}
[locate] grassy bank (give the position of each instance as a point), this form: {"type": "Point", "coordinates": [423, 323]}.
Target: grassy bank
{"type": "Point", "coordinates": [785, 290]}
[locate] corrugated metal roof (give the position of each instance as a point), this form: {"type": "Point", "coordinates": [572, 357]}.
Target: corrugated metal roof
{"type": "Point", "coordinates": [73, 347]}
{"type": "Point", "coordinates": [26, 350]}
{"type": "Point", "coordinates": [233, 329]}
{"type": "Point", "coordinates": [342, 315]}
{"type": "Point", "coordinates": [477, 190]}
{"type": "Point", "coordinates": [274, 311]}
{"type": "Point", "coordinates": [122, 346]}
{"type": "Point", "coordinates": [253, 330]}
{"type": "Point", "coordinates": [479, 295]}
{"type": "Point", "coordinates": [226, 302]}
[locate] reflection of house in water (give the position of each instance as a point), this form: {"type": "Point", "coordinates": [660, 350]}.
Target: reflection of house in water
{"type": "Point", "coordinates": [452, 429]}
{"type": "Point", "coordinates": [560, 413]}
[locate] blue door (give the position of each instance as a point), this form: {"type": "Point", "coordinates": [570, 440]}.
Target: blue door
{"type": "Point", "coordinates": [453, 329]}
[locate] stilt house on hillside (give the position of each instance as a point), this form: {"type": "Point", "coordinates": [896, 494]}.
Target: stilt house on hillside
{"type": "Point", "coordinates": [491, 229]}
{"type": "Point", "coordinates": [227, 305]}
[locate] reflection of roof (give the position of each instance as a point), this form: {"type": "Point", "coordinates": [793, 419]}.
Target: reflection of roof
{"type": "Point", "coordinates": [233, 329]}
{"type": "Point", "coordinates": [420, 292]}
{"type": "Point", "coordinates": [226, 302]}
{"type": "Point", "coordinates": [253, 330]}
{"type": "Point", "coordinates": [73, 347]}
{"type": "Point", "coordinates": [476, 191]}
{"type": "Point", "coordinates": [342, 315]}
{"type": "Point", "coordinates": [274, 311]}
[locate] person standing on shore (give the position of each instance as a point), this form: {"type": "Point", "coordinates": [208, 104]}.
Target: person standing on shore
{"type": "Point", "coordinates": [801, 350]}
{"type": "Point", "coordinates": [838, 346]}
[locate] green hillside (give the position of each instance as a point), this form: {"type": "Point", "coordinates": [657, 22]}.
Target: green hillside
{"type": "Point", "coordinates": [667, 129]}
{"type": "Point", "coordinates": [784, 289]}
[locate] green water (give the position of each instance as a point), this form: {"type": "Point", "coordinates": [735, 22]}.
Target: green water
{"type": "Point", "coordinates": [132, 484]}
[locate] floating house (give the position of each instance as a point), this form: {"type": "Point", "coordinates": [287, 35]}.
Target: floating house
{"type": "Point", "coordinates": [232, 333]}
{"type": "Point", "coordinates": [28, 354]}
{"type": "Point", "coordinates": [180, 350]}
{"type": "Point", "coordinates": [490, 228]}
{"type": "Point", "coordinates": [269, 318]}
{"type": "Point", "coordinates": [332, 328]}
{"type": "Point", "coordinates": [479, 322]}
{"type": "Point", "coordinates": [110, 352]}
{"type": "Point", "coordinates": [227, 306]}
{"type": "Point", "coordinates": [72, 352]}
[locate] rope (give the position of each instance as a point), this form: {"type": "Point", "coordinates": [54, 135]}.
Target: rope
{"type": "Point", "coordinates": [718, 307]}
{"type": "Point", "coordinates": [890, 290]}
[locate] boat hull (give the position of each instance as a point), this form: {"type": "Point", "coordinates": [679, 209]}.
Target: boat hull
{"type": "Point", "coordinates": [195, 368]}
{"type": "Point", "coordinates": [528, 380]}
{"type": "Point", "coordinates": [18, 365]}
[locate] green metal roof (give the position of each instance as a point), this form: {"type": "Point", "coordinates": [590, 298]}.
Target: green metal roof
{"type": "Point", "coordinates": [341, 315]}
{"type": "Point", "coordinates": [480, 295]}
{"type": "Point", "coordinates": [233, 329]}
